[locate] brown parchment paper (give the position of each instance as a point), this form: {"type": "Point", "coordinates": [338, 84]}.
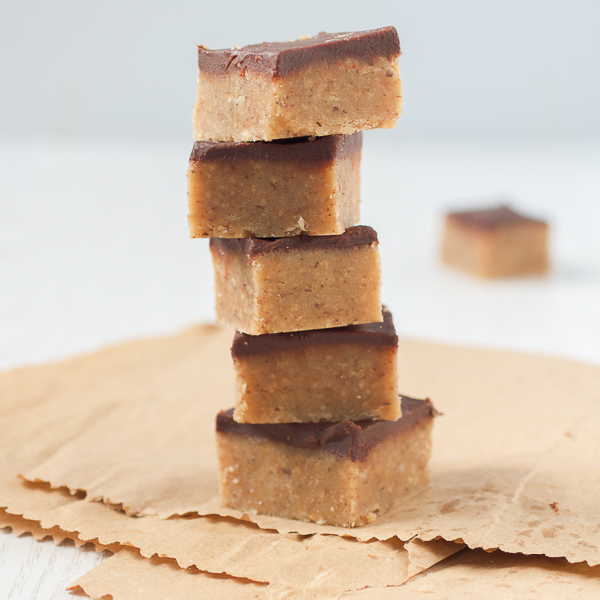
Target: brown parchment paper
{"type": "Point", "coordinates": [20, 526]}
{"type": "Point", "coordinates": [42, 409]}
{"type": "Point", "coordinates": [468, 574]}
{"type": "Point", "coordinates": [514, 464]}
{"type": "Point", "coordinates": [324, 564]}
{"type": "Point", "coordinates": [494, 576]}
{"type": "Point", "coordinates": [128, 576]}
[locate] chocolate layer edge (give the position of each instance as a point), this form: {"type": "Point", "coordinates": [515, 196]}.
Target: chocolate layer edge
{"type": "Point", "coordinates": [347, 440]}
{"type": "Point", "coordinates": [374, 334]}
{"type": "Point", "coordinates": [360, 235]}
{"type": "Point", "coordinates": [313, 151]}
{"type": "Point", "coordinates": [280, 58]}
{"type": "Point", "coordinates": [490, 218]}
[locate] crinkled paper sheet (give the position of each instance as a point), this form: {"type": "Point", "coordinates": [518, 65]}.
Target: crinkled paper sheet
{"type": "Point", "coordinates": [327, 565]}
{"type": "Point", "coordinates": [468, 574]}
{"type": "Point", "coordinates": [44, 409]}
{"type": "Point", "coordinates": [20, 526]}
{"type": "Point", "coordinates": [514, 464]}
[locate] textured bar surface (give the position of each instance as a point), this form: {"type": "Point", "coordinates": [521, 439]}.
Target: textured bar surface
{"type": "Point", "coordinates": [496, 242]}
{"type": "Point", "coordinates": [297, 283]}
{"type": "Point", "coordinates": [282, 188]}
{"type": "Point", "coordinates": [344, 373]}
{"type": "Point", "coordinates": [343, 474]}
{"type": "Point", "coordinates": [329, 84]}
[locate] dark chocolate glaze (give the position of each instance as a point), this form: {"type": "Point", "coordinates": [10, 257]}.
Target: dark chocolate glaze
{"type": "Point", "coordinates": [361, 235]}
{"type": "Point", "coordinates": [490, 218]}
{"type": "Point", "coordinates": [303, 150]}
{"type": "Point", "coordinates": [375, 334]}
{"type": "Point", "coordinates": [278, 58]}
{"type": "Point", "coordinates": [347, 439]}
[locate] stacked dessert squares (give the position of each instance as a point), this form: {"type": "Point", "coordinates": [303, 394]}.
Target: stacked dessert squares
{"type": "Point", "coordinates": [318, 431]}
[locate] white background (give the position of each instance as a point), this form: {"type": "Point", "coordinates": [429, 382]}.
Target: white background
{"type": "Point", "coordinates": [501, 101]}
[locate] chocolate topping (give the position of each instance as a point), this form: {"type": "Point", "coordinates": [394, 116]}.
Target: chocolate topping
{"type": "Point", "coordinates": [376, 334]}
{"type": "Point", "coordinates": [490, 218]}
{"type": "Point", "coordinates": [361, 235]}
{"type": "Point", "coordinates": [350, 440]}
{"type": "Point", "coordinates": [321, 150]}
{"type": "Point", "coordinates": [279, 58]}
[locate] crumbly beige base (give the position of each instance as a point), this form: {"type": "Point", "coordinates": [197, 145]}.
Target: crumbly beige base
{"type": "Point", "coordinates": [322, 99]}
{"type": "Point", "coordinates": [296, 290]}
{"type": "Point", "coordinates": [315, 485]}
{"type": "Point", "coordinates": [323, 382]}
{"type": "Point", "coordinates": [510, 250]}
{"type": "Point", "coordinates": [266, 199]}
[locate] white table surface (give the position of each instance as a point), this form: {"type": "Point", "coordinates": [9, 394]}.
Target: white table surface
{"type": "Point", "coordinates": [94, 251]}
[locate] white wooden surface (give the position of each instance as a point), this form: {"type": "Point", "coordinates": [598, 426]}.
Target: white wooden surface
{"type": "Point", "coordinates": [94, 250]}
{"type": "Point", "coordinates": [41, 570]}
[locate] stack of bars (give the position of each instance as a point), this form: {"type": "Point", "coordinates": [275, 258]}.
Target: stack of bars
{"type": "Point", "coordinates": [318, 431]}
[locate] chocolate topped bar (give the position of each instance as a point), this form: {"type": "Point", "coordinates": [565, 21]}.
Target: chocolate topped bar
{"type": "Point", "coordinates": [345, 473]}
{"type": "Point", "coordinates": [279, 58]}
{"type": "Point", "coordinates": [379, 334]}
{"type": "Point", "coordinates": [497, 242]}
{"type": "Point", "coordinates": [283, 188]}
{"type": "Point", "coordinates": [303, 150]}
{"type": "Point", "coordinates": [327, 85]}
{"type": "Point", "coordinates": [337, 374]}
{"type": "Point", "coordinates": [489, 218]}
{"type": "Point", "coordinates": [351, 440]}
{"type": "Point", "coordinates": [297, 283]}
{"type": "Point", "coordinates": [361, 235]}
